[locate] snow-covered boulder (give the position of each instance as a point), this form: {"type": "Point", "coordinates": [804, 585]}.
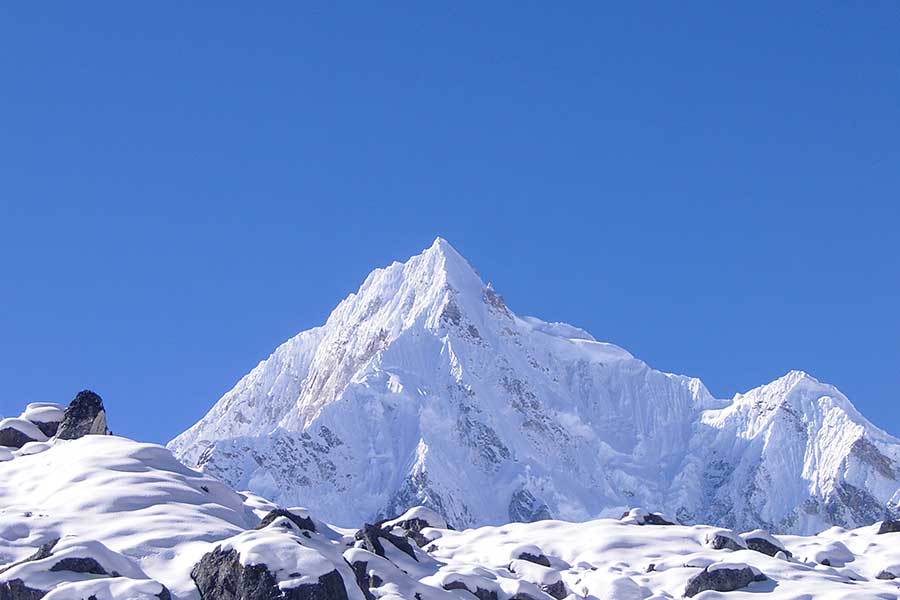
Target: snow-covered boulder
{"type": "Point", "coordinates": [639, 516]}
{"type": "Point", "coordinates": [413, 522]}
{"type": "Point", "coordinates": [15, 433]}
{"type": "Point", "coordinates": [276, 564]}
{"type": "Point", "coordinates": [722, 577]}
{"type": "Point", "coordinates": [373, 539]}
{"type": "Point", "coordinates": [85, 415]}
{"type": "Point", "coordinates": [45, 415]}
{"type": "Point", "coordinates": [889, 526]}
{"type": "Point", "coordinates": [300, 522]}
{"type": "Point", "coordinates": [725, 539]}
{"type": "Point", "coordinates": [760, 540]}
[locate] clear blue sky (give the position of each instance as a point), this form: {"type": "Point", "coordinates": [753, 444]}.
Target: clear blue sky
{"type": "Point", "coordinates": [713, 186]}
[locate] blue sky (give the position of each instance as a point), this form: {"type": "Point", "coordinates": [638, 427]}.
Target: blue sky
{"type": "Point", "coordinates": [714, 187]}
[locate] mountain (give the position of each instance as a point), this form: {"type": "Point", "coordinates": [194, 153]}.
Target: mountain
{"type": "Point", "coordinates": [86, 515]}
{"type": "Point", "coordinates": [423, 387]}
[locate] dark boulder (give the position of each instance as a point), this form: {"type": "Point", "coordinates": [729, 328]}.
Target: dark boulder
{"type": "Point", "coordinates": [538, 559]}
{"type": "Point", "coordinates": [885, 574]}
{"type": "Point", "coordinates": [81, 565]}
{"type": "Point", "coordinates": [49, 428]}
{"type": "Point", "coordinates": [364, 579]}
{"type": "Point", "coordinates": [302, 523]}
{"type": "Point", "coordinates": [480, 593]}
{"type": "Point", "coordinates": [557, 590]}
{"type": "Point", "coordinates": [371, 537]}
{"type": "Point", "coordinates": [656, 519]}
{"type": "Point", "coordinates": [721, 580]}
{"type": "Point", "coordinates": [721, 541]}
{"type": "Point", "coordinates": [764, 546]}
{"type": "Point", "coordinates": [17, 590]}
{"type": "Point", "coordinates": [889, 526]}
{"type": "Point", "coordinates": [84, 416]}
{"type": "Point", "coordinates": [14, 437]}
{"type": "Point", "coordinates": [220, 576]}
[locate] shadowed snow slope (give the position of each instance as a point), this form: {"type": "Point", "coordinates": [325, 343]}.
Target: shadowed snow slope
{"type": "Point", "coordinates": [424, 388]}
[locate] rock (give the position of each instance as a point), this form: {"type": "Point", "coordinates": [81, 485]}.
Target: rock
{"type": "Point", "coordinates": [480, 593]}
{"type": "Point", "coordinates": [889, 526]}
{"type": "Point", "coordinates": [538, 559]}
{"type": "Point", "coordinates": [80, 565]}
{"type": "Point", "coordinates": [763, 542]}
{"type": "Point", "coordinates": [84, 416]}
{"type": "Point", "coordinates": [17, 590]}
{"type": "Point", "coordinates": [885, 574]}
{"type": "Point", "coordinates": [640, 516]}
{"type": "Point", "coordinates": [557, 590]}
{"type": "Point", "coordinates": [725, 540]}
{"type": "Point", "coordinates": [371, 536]}
{"type": "Point", "coordinates": [364, 580]}
{"type": "Point", "coordinates": [413, 521]}
{"type": "Point", "coordinates": [722, 577]}
{"type": "Point", "coordinates": [44, 551]}
{"type": "Point", "coordinates": [302, 523]}
{"type": "Point", "coordinates": [45, 415]}
{"type": "Point", "coordinates": [15, 433]}
{"type": "Point", "coordinates": [220, 576]}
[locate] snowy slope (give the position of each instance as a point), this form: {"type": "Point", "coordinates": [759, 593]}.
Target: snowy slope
{"type": "Point", "coordinates": [425, 388]}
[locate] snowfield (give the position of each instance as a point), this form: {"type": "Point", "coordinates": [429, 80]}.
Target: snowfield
{"type": "Point", "coordinates": [109, 518]}
{"type": "Point", "coordinates": [424, 388]}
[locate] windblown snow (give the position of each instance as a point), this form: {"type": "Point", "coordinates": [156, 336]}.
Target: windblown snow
{"type": "Point", "coordinates": [424, 388]}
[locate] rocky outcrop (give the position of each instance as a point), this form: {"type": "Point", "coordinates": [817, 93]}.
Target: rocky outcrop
{"type": "Point", "coordinates": [722, 577]}
{"type": "Point", "coordinates": [762, 541]}
{"type": "Point", "coordinates": [15, 433]}
{"type": "Point", "coordinates": [889, 526]}
{"type": "Point", "coordinates": [371, 537]}
{"type": "Point", "coordinates": [220, 576]}
{"type": "Point", "coordinates": [302, 523]}
{"type": "Point", "coordinates": [84, 416]}
{"type": "Point", "coordinates": [725, 540]}
{"type": "Point", "coordinates": [17, 590]}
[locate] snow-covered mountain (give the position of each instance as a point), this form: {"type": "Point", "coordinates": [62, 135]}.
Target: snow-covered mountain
{"type": "Point", "coordinates": [425, 388]}
{"type": "Point", "coordinates": [86, 515]}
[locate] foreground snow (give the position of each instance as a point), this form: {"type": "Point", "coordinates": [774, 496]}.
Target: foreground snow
{"type": "Point", "coordinates": [147, 521]}
{"type": "Point", "coordinates": [425, 388]}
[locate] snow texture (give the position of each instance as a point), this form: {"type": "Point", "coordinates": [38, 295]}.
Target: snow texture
{"type": "Point", "coordinates": [424, 388]}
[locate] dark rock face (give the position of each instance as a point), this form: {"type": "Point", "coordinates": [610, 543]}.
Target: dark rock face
{"type": "Point", "coordinates": [557, 590]}
{"type": "Point", "coordinates": [17, 590]}
{"type": "Point", "coordinates": [480, 593]}
{"type": "Point", "coordinates": [12, 437]}
{"type": "Point", "coordinates": [302, 523]}
{"type": "Point", "coordinates": [364, 580]}
{"type": "Point", "coordinates": [656, 519]}
{"type": "Point", "coordinates": [721, 580]}
{"type": "Point", "coordinates": [539, 559]}
{"type": "Point", "coordinates": [84, 416]}
{"type": "Point", "coordinates": [80, 565]}
{"type": "Point", "coordinates": [889, 526]}
{"type": "Point", "coordinates": [49, 429]}
{"type": "Point", "coordinates": [371, 536]}
{"type": "Point", "coordinates": [885, 575]}
{"type": "Point", "coordinates": [525, 507]}
{"type": "Point", "coordinates": [765, 546]}
{"type": "Point", "coordinates": [220, 576]}
{"type": "Point", "coordinates": [724, 542]}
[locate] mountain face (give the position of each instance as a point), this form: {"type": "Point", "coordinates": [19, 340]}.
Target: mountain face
{"type": "Point", "coordinates": [424, 388]}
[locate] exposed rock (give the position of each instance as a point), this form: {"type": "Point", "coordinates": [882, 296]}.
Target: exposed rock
{"type": "Point", "coordinates": [220, 576]}
{"type": "Point", "coordinates": [642, 517]}
{"type": "Point", "coordinates": [480, 593]}
{"type": "Point", "coordinates": [885, 574]}
{"type": "Point", "coordinates": [524, 507]}
{"type": "Point", "coordinates": [43, 552]}
{"type": "Point", "coordinates": [302, 523]}
{"type": "Point", "coordinates": [656, 519]}
{"type": "Point", "coordinates": [889, 526]}
{"type": "Point", "coordinates": [371, 536]}
{"type": "Point", "coordinates": [722, 578]}
{"type": "Point", "coordinates": [538, 559]}
{"type": "Point", "coordinates": [725, 540]}
{"type": "Point", "coordinates": [557, 590]}
{"type": "Point", "coordinates": [84, 416]}
{"type": "Point", "coordinates": [364, 580]}
{"type": "Point", "coordinates": [80, 565]}
{"type": "Point", "coordinates": [761, 541]}
{"type": "Point", "coordinates": [413, 521]}
{"type": "Point", "coordinates": [15, 433]}
{"type": "Point", "coordinates": [17, 590]}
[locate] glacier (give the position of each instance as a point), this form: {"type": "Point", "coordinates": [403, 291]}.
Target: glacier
{"type": "Point", "coordinates": [425, 388]}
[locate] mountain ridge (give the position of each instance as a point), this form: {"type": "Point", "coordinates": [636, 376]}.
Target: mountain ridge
{"type": "Point", "coordinates": [423, 387]}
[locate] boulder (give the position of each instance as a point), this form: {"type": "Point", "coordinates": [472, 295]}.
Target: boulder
{"type": "Point", "coordinates": [889, 526]}
{"type": "Point", "coordinates": [220, 576]}
{"type": "Point", "coordinates": [722, 577]}
{"type": "Point", "coordinates": [763, 542]}
{"type": "Point", "coordinates": [15, 433]}
{"type": "Point", "coordinates": [724, 539]}
{"type": "Point", "coordinates": [45, 415]}
{"type": "Point", "coordinates": [413, 521]}
{"type": "Point", "coordinates": [639, 516]}
{"type": "Point", "coordinates": [302, 523]}
{"type": "Point", "coordinates": [17, 590]}
{"type": "Point", "coordinates": [84, 416]}
{"type": "Point", "coordinates": [371, 537]}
